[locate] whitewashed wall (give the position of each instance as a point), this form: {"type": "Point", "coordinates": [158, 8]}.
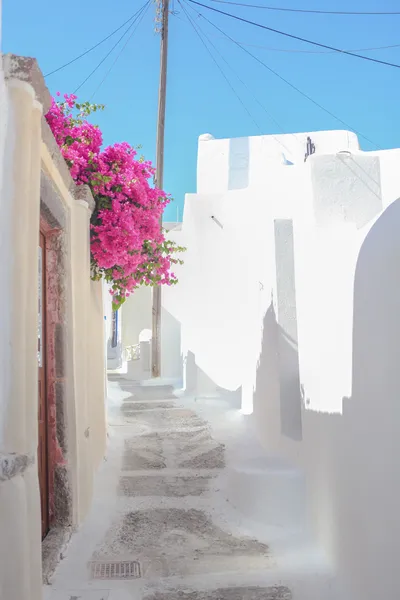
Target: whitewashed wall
{"type": "Point", "coordinates": [229, 272]}
{"type": "Point", "coordinates": [136, 315]}
{"type": "Point", "coordinates": [171, 331]}
{"type": "Point", "coordinates": [19, 491]}
{"type": "Point", "coordinates": [7, 140]}
{"type": "Point", "coordinates": [291, 294]}
{"type": "Point", "coordinates": [28, 151]}
{"type": "Point", "coordinates": [237, 163]}
{"type": "Point", "coordinates": [347, 286]}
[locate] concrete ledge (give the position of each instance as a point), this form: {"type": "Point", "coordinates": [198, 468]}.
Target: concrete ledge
{"type": "Point", "coordinates": [12, 465]}
{"type": "Point", "coordinates": [273, 496]}
{"type": "Point", "coordinates": [25, 68]}
{"type": "Point", "coordinates": [53, 549]}
{"type": "Point", "coordinates": [55, 153]}
{"type": "Point", "coordinates": [82, 193]}
{"type": "Point", "coordinates": [79, 192]}
{"type": "Point", "coordinates": [51, 204]}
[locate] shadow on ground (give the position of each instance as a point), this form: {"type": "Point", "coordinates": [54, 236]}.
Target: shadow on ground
{"type": "Point", "coordinates": [236, 593]}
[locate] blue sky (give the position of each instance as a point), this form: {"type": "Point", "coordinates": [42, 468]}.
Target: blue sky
{"type": "Point", "coordinates": [363, 94]}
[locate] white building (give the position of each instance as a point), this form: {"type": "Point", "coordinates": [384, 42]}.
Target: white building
{"type": "Point", "coordinates": [52, 384]}
{"type": "Point", "coordinates": [288, 306]}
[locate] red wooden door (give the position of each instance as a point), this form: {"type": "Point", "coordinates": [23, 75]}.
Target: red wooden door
{"type": "Point", "coordinates": [42, 416]}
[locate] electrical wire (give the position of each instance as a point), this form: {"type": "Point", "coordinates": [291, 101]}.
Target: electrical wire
{"type": "Point", "coordinates": [280, 127]}
{"type": "Point", "coordinates": [362, 180]}
{"type": "Point", "coordinates": [294, 87]}
{"type": "Point", "coordinates": [219, 67]}
{"type": "Point", "coordinates": [295, 37]}
{"type": "Point", "coordinates": [298, 51]}
{"type": "Point", "coordinates": [113, 48]}
{"type": "Point", "coordinates": [120, 52]}
{"type": "Point", "coordinates": [93, 47]}
{"type": "Point", "coordinates": [305, 10]}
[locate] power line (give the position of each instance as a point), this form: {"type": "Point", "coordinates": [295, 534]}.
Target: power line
{"type": "Point", "coordinates": [289, 83]}
{"type": "Point", "coordinates": [343, 162]}
{"type": "Point", "coordinates": [113, 48]}
{"type": "Point", "coordinates": [295, 37]}
{"type": "Point", "coordinates": [120, 52]}
{"type": "Point", "coordinates": [298, 51]}
{"type": "Point", "coordinates": [220, 68]}
{"type": "Point", "coordinates": [250, 92]}
{"type": "Point", "coordinates": [93, 47]}
{"type": "Point", "coordinates": [304, 10]}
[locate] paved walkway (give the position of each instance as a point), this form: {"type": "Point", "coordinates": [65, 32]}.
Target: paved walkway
{"type": "Point", "coordinates": [162, 525]}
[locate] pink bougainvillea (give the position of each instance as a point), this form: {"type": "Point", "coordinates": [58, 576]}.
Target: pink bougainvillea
{"type": "Point", "coordinates": [128, 246]}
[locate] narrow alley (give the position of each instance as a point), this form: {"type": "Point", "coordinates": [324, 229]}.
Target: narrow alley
{"type": "Point", "coordinates": [199, 389]}
{"type": "Point", "coordinates": [162, 525]}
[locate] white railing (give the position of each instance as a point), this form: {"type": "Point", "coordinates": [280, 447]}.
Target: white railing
{"type": "Point", "coordinates": [132, 352]}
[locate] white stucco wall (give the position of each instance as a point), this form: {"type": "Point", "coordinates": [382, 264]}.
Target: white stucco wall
{"type": "Point", "coordinates": [20, 200]}
{"type": "Point", "coordinates": [27, 151]}
{"type": "Point", "coordinates": [7, 140]}
{"type": "Point", "coordinates": [237, 163]}
{"type": "Point", "coordinates": [136, 315]}
{"type": "Point", "coordinates": [172, 343]}
{"type": "Point", "coordinates": [348, 326]}
{"type": "Point", "coordinates": [290, 293]}
{"type": "Point", "coordinates": [288, 300]}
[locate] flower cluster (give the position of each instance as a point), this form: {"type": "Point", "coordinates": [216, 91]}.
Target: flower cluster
{"type": "Point", "coordinates": [128, 247]}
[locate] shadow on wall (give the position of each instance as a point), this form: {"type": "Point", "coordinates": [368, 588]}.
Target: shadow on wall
{"type": "Point", "coordinates": [171, 363]}
{"type": "Point", "coordinates": [199, 383]}
{"type": "Point", "coordinates": [174, 365]}
{"type": "Point", "coordinates": [290, 389]}
{"type": "Point", "coordinates": [355, 477]}
{"type": "Point", "coordinates": [277, 399]}
{"type": "Point", "coordinates": [352, 460]}
{"type": "Point", "coordinates": [239, 160]}
{"type": "Point", "coordinates": [278, 375]}
{"type": "Point", "coordinates": [288, 364]}
{"type": "Point", "coordinates": [266, 392]}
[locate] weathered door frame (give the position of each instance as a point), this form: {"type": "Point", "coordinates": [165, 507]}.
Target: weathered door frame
{"type": "Point", "coordinates": [43, 442]}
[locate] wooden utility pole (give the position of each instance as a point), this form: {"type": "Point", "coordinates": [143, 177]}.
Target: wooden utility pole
{"type": "Point", "coordinates": [159, 180]}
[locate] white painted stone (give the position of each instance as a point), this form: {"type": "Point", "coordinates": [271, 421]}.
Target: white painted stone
{"type": "Point", "coordinates": [289, 297]}
{"type": "Point", "coordinates": [80, 595]}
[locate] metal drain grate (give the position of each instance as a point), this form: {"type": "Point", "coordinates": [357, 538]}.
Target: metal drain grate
{"type": "Point", "coordinates": [116, 570]}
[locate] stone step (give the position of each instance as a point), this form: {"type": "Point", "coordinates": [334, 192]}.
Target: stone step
{"type": "Point", "coordinates": [229, 593]}
{"type": "Point", "coordinates": [272, 496]}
